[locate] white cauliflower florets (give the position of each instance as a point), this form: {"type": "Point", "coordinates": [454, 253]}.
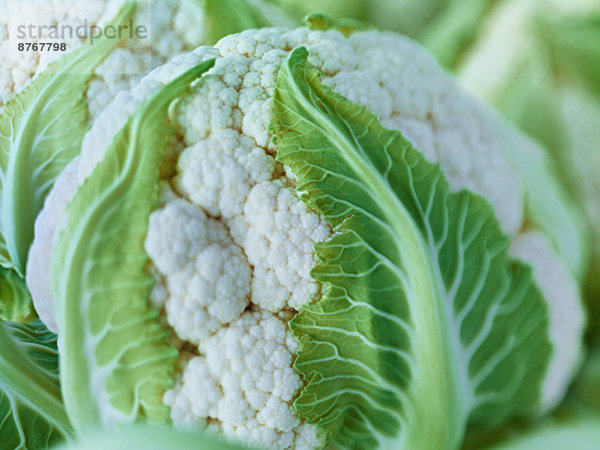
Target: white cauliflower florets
{"type": "Point", "coordinates": [218, 172]}
{"type": "Point", "coordinates": [233, 210]}
{"type": "Point", "coordinates": [207, 275]}
{"type": "Point", "coordinates": [245, 380]}
{"type": "Point", "coordinates": [279, 243]}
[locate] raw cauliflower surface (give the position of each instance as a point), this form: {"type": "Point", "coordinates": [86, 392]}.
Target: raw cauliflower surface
{"type": "Point", "coordinates": [206, 275]}
{"type": "Point", "coordinates": [173, 26]}
{"type": "Point", "coordinates": [228, 205]}
{"type": "Point", "coordinates": [245, 380]}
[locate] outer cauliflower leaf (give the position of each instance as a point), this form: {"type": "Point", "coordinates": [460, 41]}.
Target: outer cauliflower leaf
{"type": "Point", "coordinates": [50, 220]}
{"type": "Point", "coordinates": [115, 357]}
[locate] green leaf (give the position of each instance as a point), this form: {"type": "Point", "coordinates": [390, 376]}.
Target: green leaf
{"type": "Point", "coordinates": [318, 21]}
{"type": "Point", "coordinates": [15, 299]}
{"type": "Point", "coordinates": [116, 360]}
{"type": "Point", "coordinates": [41, 130]}
{"type": "Point", "coordinates": [223, 18]}
{"type": "Point", "coordinates": [32, 414]}
{"type": "Point", "coordinates": [153, 438]}
{"type": "Point", "coordinates": [572, 43]}
{"type": "Point", "coordinates": [426, 324]}
{"type": "Point", "coordinates": [454, 28]}
{"type": "Point", "coordinates": [335, 9]}
{"type": "Point", "coordinates": [581, 432]}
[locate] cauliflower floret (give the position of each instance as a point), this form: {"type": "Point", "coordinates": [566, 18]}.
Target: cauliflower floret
{"type": "Point", "coordinates": [217, 173]}
{"type": "Point", "coordinates": [279, 244]}
{"type": "Point", "coordinates": [245, 380]}
{"type": "Point", "coordinates": [207, 275]}
{"type": "Point", "coordinates": [190, 230]}
{"type": "Point", "coordinates": [215, 292]}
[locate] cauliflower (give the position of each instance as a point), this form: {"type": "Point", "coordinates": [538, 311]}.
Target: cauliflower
{"type": "Point", "coordinates": [245, 380]}
{"type": "Point", "coordinates": [231, 250]}
{"type": "Point", "coordinates": [171, 27]}
{"type": "Point", "coordinates": [47, 102]}
{"type": "Point", "coordinates": [169, 34]}
{"type": "Point", "coordinates": [207, 276]}
{"type": "Point", "coordinates": [554, 71]}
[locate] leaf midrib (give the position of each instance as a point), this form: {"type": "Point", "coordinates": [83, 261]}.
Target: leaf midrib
{"type": "Point", "coordinates": [430, 316]}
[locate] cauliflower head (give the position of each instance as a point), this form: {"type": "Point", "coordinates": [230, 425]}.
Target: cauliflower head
{"type": "Point", "coordinates": [231, 246]}
{"type": "Point", "coordinates": [553, 72]}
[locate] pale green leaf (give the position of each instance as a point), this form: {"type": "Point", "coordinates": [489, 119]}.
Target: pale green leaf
{"type": "Point", "coordinates": [116, 360]}
{"type": "Point", "coordinates": [41, 130]}
{"type": "Point", "coordinates": [153, 438]}
{"type": "Point", "coordinates": [15, 299]}
{"type": "Point", "coordinates": [454, 28]}
{"type": "Point", "coordinates": [32, 415]}
{"type": "Point", "coordinates": [572, 44]}
{"type": "Point", "coordinates": [426, 324]}
{"type": "Point", "coordinates": [222, 18]}
{"type": "Point", "coordinates": [581, 433]}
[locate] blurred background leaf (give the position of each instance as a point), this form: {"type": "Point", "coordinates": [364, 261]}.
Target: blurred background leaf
{"type": "Point", "coordinates": [146, 437]}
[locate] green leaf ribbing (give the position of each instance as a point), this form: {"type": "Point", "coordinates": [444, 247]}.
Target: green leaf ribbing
{"type": "Point", "coordinates": [116, 359]}
{"type": "Point", "coordinates": [426, 324]}
{"type": "Point", "coordinates": [32, 414]}
{"type": "Point", "coordinates": [15, 299]}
